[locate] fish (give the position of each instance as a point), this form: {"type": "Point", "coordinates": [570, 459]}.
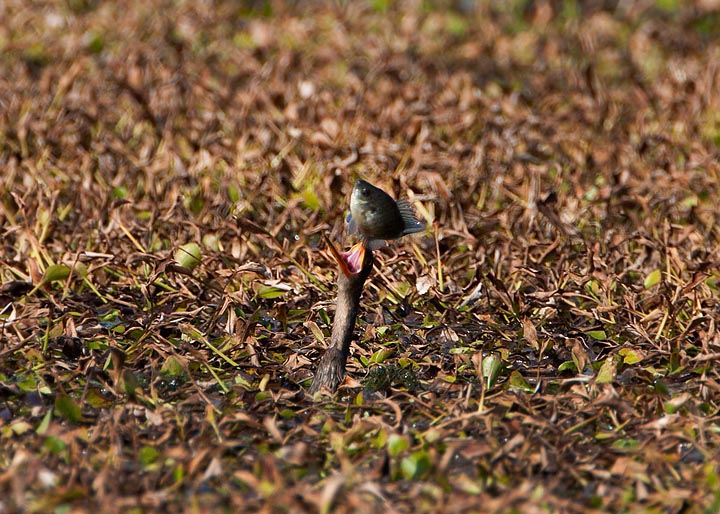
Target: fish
{"type": "Point", "coordinates": [376, 217]}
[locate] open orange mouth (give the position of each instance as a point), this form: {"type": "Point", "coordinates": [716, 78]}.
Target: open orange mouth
{"type": "Point", "coordinates": [350, 262]}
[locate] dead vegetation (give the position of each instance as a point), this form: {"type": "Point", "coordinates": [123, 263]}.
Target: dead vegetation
{"type": "Point", "coordinates": [169, 168]}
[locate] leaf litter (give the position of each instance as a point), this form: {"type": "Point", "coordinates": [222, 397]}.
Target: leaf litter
{"type": "Point", "coordinates": [549, 344]}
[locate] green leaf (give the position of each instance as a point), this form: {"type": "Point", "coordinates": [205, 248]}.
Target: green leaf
{"type": "Point", "coordinates": [597, 334]}
{"type": "Point", "coordinates": [148, 455]}
{"type": "Point", "coordinates": [518, 383]}
{"type": "Point", "coordinates": [310, 199]}
{"type": "Point", "coordinates": [593, 287]}
{"type": "Point", "coordinates": [95, 44]}
{"type": "Point", "coordinates": [97, 400]}
{"type": "Point", "coordinates": [188, 255]}
{"type": "Point", "coordinates": [630, 356]}
{"type": "Point", "coordinates": [380, 5]}
{"type": "Point", "coordinates": [131, 382]}
{"type": "Point", "coordinates": [567, 366]}
{"type": "Point", "coordinates": [397, 444]}
{"type": "Point", "coordinates": [270, 292]}
{"type": "Point", "coordinates": [669, 6]}
{"type": "Point", "coordinates": [381, 355]}
{"type": "Point", "coordinates": [45, 423]}
{"type": "Point", "coordinates": [27, 384]}
{"type": "Point", "coordinates": [491, 367]}
{"type": "Point", "coordinates": [652, 279]}
{"type": "Point", "coordinates": [456, 25]}
{"type": "Point", "coordinates": [233, 193]}
{"type": "Point", "coordinates": [415, 465]}
{"type": "Point", "coordinates": [625, 444]}
{"type": "Point", "coordinates": [262, 395]}
{"type": "Point", "coordinates": [68, 408]}
{"type": "Point", "coordinates": [607, 371]}
{"type": "Point", "coordinates": [172, 367]}
{"type": "Point", "coordinates": [287, 413]}
{"type": "Point", "coordinates": [381, 439]}
{"type": "Point", "coordinates": [119, 192]}
{"type": "Point", "coordinates": [55, 445]}
{"type": "Point", "coordinates": [319, 336]}
{"type": "Point", "coordinates": [55, 272]}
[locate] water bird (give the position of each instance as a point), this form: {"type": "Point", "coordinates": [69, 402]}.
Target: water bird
{"type": "Point", "coordinates": [374, 217]}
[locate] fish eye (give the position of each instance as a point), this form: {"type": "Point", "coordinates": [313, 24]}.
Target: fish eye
{"type": "Point", "coordinates": [364, 191]}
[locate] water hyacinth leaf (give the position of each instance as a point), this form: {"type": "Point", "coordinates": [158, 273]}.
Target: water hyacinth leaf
{"type": "Point", "coordinates": [55, 445]}
{"type": "Point", "coordinates": [270, 292]}
{"type": "Point", "coordinates": [147, 455]}
{"type": "Point", "coordinates": [188, 255]}
{"type": "Point", "coordinates": [131, 382]}
{"type": "Point", "coordinates": [119, 192]}
{"type": "Point", "coordinates": [80, 269]}
{"type": "Point", "coordinates": [518, 383]}
{"type": "Point", "coordinates": [652, 279]}
{"type": "Point", "coordinates": [593, 287]}
{"type": "Point", "coordinates": [397, 444]}
{"type": "Point", "coordinates": [55, 272]}
{"type": "Point", "coordinates": [324, 316]}
{"type": "Point", "coordinates": [415, 465]}
{"type": "Point", "coordinates": [567, 366]}
{"type": "Point", "coordinates": [597, 334]}
{"type": "Point", "coordinates": [45, 423]}
{"type": "Point", "coordinates": [381, 355]}
{"type": "Point", "coordinates": [382, 330]}
{"type": "Point", "coordinates": [263, 395]}
{"type": "Point", "coordinates": [491, 367]}
{"type": "Point", "coordinates": [95, 399]}
{"type": "Point", "coordinates": [233, 193]}
{"type": "Point", "coordinates": [67, 408]}
{"type": "Point", "coordinates": [625, 444]}
{"type": "Point", "coordinates": [172, 367]}
{"type": "Point", "coordinates": [27, 384]}
{"type": "Point", "coordinates": [315, 330]}
{"type": "Point", "coordinates": [607, 371]}
{"type": "Point", "coordinates": [242, 382]}
{"type": "Point", "coordinates": [631, 356]}
{"type": "Point", "coordinates": [381, 439]}
{"type": "Point", "coordinates": [310, 199]}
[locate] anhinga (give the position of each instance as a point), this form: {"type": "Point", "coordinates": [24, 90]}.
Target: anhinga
{"type": "Point", "coordinates": [374, 216]}
{"type": "Point", "coordinates": [355, 267]}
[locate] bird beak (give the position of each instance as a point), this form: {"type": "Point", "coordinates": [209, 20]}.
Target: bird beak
{"type": "Point", "coordinates": [350, 262]}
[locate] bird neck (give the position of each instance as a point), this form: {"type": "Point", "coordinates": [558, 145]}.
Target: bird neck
{"type": "Point", "coordinates": [348, 301]}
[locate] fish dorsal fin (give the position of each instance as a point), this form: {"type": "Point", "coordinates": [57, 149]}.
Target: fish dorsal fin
{"type": "Point", "coordinates": [410, 220]}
